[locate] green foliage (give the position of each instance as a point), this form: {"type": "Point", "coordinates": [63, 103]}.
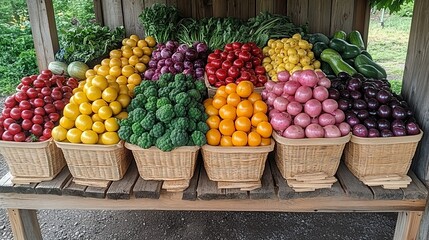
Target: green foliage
{"type": "Point", "coordinates": [396, 86]}
{"type": "Point", "coordinates": [392, 5]}
{"type": "Point", "coordinates": [406, 9]}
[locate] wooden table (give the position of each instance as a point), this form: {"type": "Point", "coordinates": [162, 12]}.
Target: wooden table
{"type": "Point", "coordinates": [134, 193]}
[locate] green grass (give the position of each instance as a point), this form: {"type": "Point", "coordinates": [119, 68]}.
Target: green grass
{"type": "Point", "coordinates": [388, 45]}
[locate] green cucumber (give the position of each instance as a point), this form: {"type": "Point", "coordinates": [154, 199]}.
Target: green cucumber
{"type": "Point", "coordinates": [362, 59]}
{"type": "Point", "coordinates": [324, 66]}
{"type": "Point", "coordinates": [340, 35]}
{"type": "Point", "coordinates": [344, 48]}
{"type": "Point", "coordinates": [369, 71]}
{"type": "Point", "coordinates": [318, 48]}
{"type": "Point", "coordinates": [333, 58]}
{"type": "Point", "coordinates": [354, 37]}
{"type": "Point", "coordinates": [318, 37]}
{"type": "Point", "coordinates": [366, 53]}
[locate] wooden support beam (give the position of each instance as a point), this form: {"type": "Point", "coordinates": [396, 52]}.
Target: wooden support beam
{"type": "Point", "coordinates": [407, 225]}
{"type": "Point", "coordinates": [24, 224]}
{"type": "Point", "coordinates": [423, 233]}
{"type": "Point", "coordinates": [112, 13]}
{"type": "Point", "coordinates": [132, 9]}
{"type": "Point", "coordinates": [361, 18]}
{"type": "Point", "coordinates": [44, 31]}
{"type": "Point", "coordinates": [98, 10]}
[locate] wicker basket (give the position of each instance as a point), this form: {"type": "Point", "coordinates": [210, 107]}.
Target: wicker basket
{"type": "Point", "coordinates": [94, 161]}
{"type": "Point", "coordinates": [35, 161]}
{"type": "Point", "coordinates": [306, 156]}
{"type": "Point", "coordinates": [212, 90]}
{"type": "Point", "coordinates": [154, 164]}
{"type": "Point", "coordinates": [380, 156]}
{"type": "Point", "coordinates": [235, 164]}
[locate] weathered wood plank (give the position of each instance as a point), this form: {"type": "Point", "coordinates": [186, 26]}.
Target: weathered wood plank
{"type": "Point", "coordinates": [280, 7]}
{"type": "Point", "coordinates": [202, 9]}
{"type": "Point", "coordinates": [98, 10]}
{"type": "Point", "coordinates": [220, 8]}
{"type": "Point", "coordinates": [147, 188]}
{"type": "Point", "coordinates": [73, 189]}
{"type": "Point", "coordinates": [342, 15]}
{"type": "Point", "coordinates": [298, 11]}
{"type": "Point", "coordinates": [407, 225]}
{"type": "Point", "coordinates": [361, 18]}
{"type": "Point", "coordinates": [44, 31]}
{"type": "Point", "coordinates": [424, 224]}
{"type": "Point", "coordinates": [185, 8]}
{"type": "Point", "coordinates": [391, 194]}
{"type": "Point", "coordinates": [24, 224]}
{"type": "Point", "coordinates": [25, 188]}
{"type": "Point", "coordinates": [264, 6]}
{"type": "Point", "coordinates": [416, 189]}
{"type": "Point", "coordinates": [267, 191]}
{"type": "Point", "coordinates": [112, 13]}
{"type": "Point", "coordinates": [283, 190]}
{"type": "Point", "coordinates": [319, 13]}
{"type": "Point", "coordinates": [55, 185]}
{"type": "Point", "coordinates": [234, 193]}
{"type": "Point", "coordinates": [96, 192]}
{"type": "Point", "coordinates": [132, 9]}
{"type": "Point", "coordinates": [191, 192]}
{"type": "Point", "coordinates": [335, 191]}
{"type": "Point", "coordinates": [207, 189]}
{"type": "Point", "coordinates": [122, 189]}
{"type": "Point", "coordinates": [352, 186]}
{"type": "Point", "coordinates": [6, 184]}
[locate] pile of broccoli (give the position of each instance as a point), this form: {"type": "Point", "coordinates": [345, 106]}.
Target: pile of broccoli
{"type": "Point", "coordinates": [167, 113]}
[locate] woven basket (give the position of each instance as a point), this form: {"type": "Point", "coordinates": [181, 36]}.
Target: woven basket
{"type": "Point", "coordinates": [94, 161]}
{"type": "Point", "coordinates": [380, 156]}
{"type": "Point", "coordinates": [33, 160]}
{"type": "Point", "coordinates": [211, 91]}
{"type": "Point", "coordinates": [309, 155]}
{"type": "Point", "coordinates": [154, 164]}
{"type": "Point", "coordinates": [235, 164]}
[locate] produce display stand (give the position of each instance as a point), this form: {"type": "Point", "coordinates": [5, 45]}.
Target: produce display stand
{"type": "Point", "coordinates": [134, 193]}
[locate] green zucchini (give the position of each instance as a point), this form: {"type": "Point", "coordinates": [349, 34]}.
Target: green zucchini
{"type": "Point", "coordinates": [318, 37]}
{"type": "Point", "coordinates": [340, 35]}
{"type": "Point", "coordinates": [324, 66]}
{"type": "Point", "coordinates": [344, 48]}
{"type": "Point", "coordinates": [333, 58]}
{"type": "Point", "coordinates": [364, 60]}
{"type": "Point", "coordinates": [350, 61]}
{"type": "Point", "coordinates": [369, 71]}
{"type": "Point", "coordinates": [354, 37]}
{"type": "Point", "coordinates": [318, 48]}
{"type": "Point", "coordinates": [366, 53]}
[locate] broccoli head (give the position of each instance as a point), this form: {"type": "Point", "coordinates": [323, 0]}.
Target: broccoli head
{"type": "Point", "coordinates": [125, 133]}
{"type": "Point", "coordinates": [138, 90]}
{"type": "Point", "coordinates": [134, 139]}
{"type": "Point", "coordinates": [145, 141]}
{"type": "Point", "coordinates": [200, 86]}
{"type": "Point", "coordinates": [195, 95]}
{"type": "Point", "coordinates": [180, 78]}
{"type": "Point", "coordinates": [145, 84]}
{"type": "Point", "coordinates": [180, 110]}
{"type": "Point", "coordinates": [165, 113]}
{"type": "Point", "coordinates": [125, 122]}
{"type": "Point", "coordinates": [137, 115]}
{"type": "Point", "coordinates": [192, 126]}
{"type": "Point", "coordinates": [183, 98]}
{"type": "Point", "coordinates": [138, 101]}
{"type": "Point", "coordinates": [179, 123]}
{"type": "Point", "coordinates": [164, 143]}
{"type": "Point", "coordinates": [162, 101]}
{"type": "Point", "coordinates": [164, 92]}
{"type": "Point", "coordinates": [157, 130]}
{"type": "Point", "coordinates": [137, 128]}
{"type": "Point", "coordinates": [164, 79]}
{"type": "Point", "coordinates": [148, 121]}
{"type": "Point", "coordinates": [151, 104]}
{"type": "Point", "coordinates": [151, 91]}
{"type": "Point", "coordinates": [203, 127]}
{"type": "Point", "coordinates": [199, 138]}
{"type": "Point", "coordinates": [173, 93]}
{"type": "Point", "coordinates": [179, 137]}
{"type": "Point", "coordinates": [194, 114]}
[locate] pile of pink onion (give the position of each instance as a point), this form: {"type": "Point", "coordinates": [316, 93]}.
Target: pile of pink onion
{"type": "Point", "coordinates": [300, 107]}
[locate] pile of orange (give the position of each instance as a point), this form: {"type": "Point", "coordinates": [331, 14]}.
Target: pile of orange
{"type": "Point", "coordinates": [237, 117]}
{"type": "Point", "coordinates": [101, 99]}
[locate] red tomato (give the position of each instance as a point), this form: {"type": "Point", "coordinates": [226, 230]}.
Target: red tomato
{"type": "Point", "coordinates": [46, 91]}
{"type": "Point", "coordinates": [6, 112]}
{"type": "Point", "coordinates": [32, 93]}
{"type": "Point", "coordinates": [253, 79]}
{"type": "Point", "coordinates": [54, 116]}
{"type": "Point", "coordinates": [25, 105]}
{"type": "Point", "coordinates": [217, 51]}
{"type": "Point", "coordinates": [20, 96]}
{"type": "Point", "coordinates": [14, 128]}
{"type": "Point", "coordinates": [38, 102]}
{"type": "Point", "coordinates": [231, 57]}
{"type": "Point", "coordinates": [229, 47]}
{"type": "Point", "coordinates": [48, 99]}
{"type": "Point", "coordinates": [67, 95]}
{"type": "Point", "coordinates": [7, 136]}
{"type": "Point", "coordinates": [212, 79]}
{"type": "Point", "coordinates": [47, 133]}
{"type": "Point", "coordinates": [221, 74]}
{"type": "Point", "coordinates": [217, 63]}
{"type": "Point", "coordinates": [226, 64]}
{"type": "Point", "coordinates": [262, 79]}
{"type": "Point", "coordinates": [245, 56]}
{"type": "Point", "coordinates": [7, 122]}
{"type": "Point", "coordinates": [259, 70]}
{"type": "Point", "coordinates": [26, 114]}
{"type": "Point", "coordinates": [42, 139]}
{"type": "Point", "coordinates": [223, 55]}
{"type": "Point", "coordinates": [10, 101]}
{"type": "Point", "coordinates": [49, 124]}
{"type": "Point", "coordinates": [19, 137]}
{"type": "Point", "coordinates": [55, 95]}
{"type": "Point", "coordinates": [212, 56]}
{"type": "Point", "coordinates": [26, 81]}
{"type": "Point", "coordinates": [50, 108]}
{"type": "Point", "coordinates": [26, 124]}
{"type": "Point", "coordinates": [253, 45]}
{"type": "Point", "coordinates": [256, 61]}
{"type": "Point", "coordinates": [37, 119]}
{"type": "Point", "coordinates": [73, 83]}
{"type": "Point", "coordinates": [238, 63]}
{"type": "Point", "coordinates": [236, 45]}
{"type": "Point", "coordinates": [15, 113]}
{"type": "Point", "coordinates": [256, 51]}
{"type": "Point", "coordinates": [39, 111]}
{"type": "Point", "coordinates": [229, 80]}
{"type": "Point", "coordinates": [246, 47]}
{"type": "Point", "coordinates": [38, 83]}
{"type": "Point", "coordinates": [37, 130]}
{"type": "Point", "coordinates": [233, 72]}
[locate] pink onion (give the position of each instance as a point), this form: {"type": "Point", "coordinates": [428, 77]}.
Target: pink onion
{"type": "Point", "coordinates": [313, 107]}
{"type": "Point", "coordinates": [283, 76]}
{"type": "Point", "coordinates": [294, 132]}
{"type": "Point", "coordinates": [332, 131]}
{"type": "Point", "coordinates": [339, 116]}
{"type": "Point", "coordinates": [269, 85]}
{"type": "Point", "coordinates": [325, 82]}
{"type": "Point", "coordinates": [320, 93]}
{"type": "Point", "coordinates": [291, 98]}
{"type": "Point", "coordinates": [344, 128]}
{"type": "Point", "coordinates": [272, 112]}
{"type": "Point", "coordinates": [294, 108]}
{"type": "Point", "coordinates": [302, 120]}
{"type": "Point", "coordinates": [270, 98]}
{"type": "Point", "coordinates": [264, 94]}
{"type": "Point", "coordinates": [314, 120]}
{"type": "Point", "coordinates": [314, 131]}
{"type": "Point", "coordinates": [329, 105]}
{"type": "Point", "coordinates": [308, 78]}
{"type": "Point", "coordinates": [320, 74]}
{"type": "Point", "coordinates": [295, 75]}
{"type": "Point", "coordinates": [303, 94]}
{"type": "Point", "coordinates": [281, 121]}
{"type": "Point", "coordinates": [326, 119]}
{"type": "Point", "coordinates": [280, 104]}
{"type": "Point", "coordinates": [290, 87]}
{"type": "Point", "coordinates": [278, 89]}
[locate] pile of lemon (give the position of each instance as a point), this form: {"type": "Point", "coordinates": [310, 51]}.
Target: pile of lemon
{"type": "Point", "coordinates": [288, 54]}
{"type": "Point", "coordinates": [91, 115]}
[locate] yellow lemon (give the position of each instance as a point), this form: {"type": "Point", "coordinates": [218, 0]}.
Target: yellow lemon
{"type": "Point", "coordinates": [59, 133]}
{"type": "Point", "coordinates": [105, 112]}
{"type": "Point", "coordinates": [108, 138]}
{"type": "Point", "coordinates": [83, 122]}
{"type": "Point", "coordinates": [73, 135]}
{"type": "Point", "coordinates": [66, 123]}
{"type": "Point", "coordinates": [98, 127]}
{"type": "Point", "coordinates": [111, 125]}
{"type": "Point", "coordinates": [93, 93]}
{"type": "Point", "coordinates": [85, 108]}
{"type": "Point", "coordinates": [71, 111]}
{"type": "Point", "coordinates": [89, 137]}
{"type": "Point", "coordinates": [109, 94]}
{"type": "Point", "coordinates": [116, 107]}
{"type": "Point", "coordinates": [97, 104]}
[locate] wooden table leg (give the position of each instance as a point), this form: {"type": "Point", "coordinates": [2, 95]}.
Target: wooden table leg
{"type": "Point", "coordinates": [24, 224]}
{"type": "Point", "coordinates": [407, 225]}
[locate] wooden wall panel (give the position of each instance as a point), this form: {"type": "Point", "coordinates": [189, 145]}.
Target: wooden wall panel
{"type": "Point", "coordinates": [361, 18]}
{"type": "Point", "coordinates": [298, 11]}
{"type": "Point", "coordinates": [220, 8]}
{"type": "Point", "coordinates": [44, 31]}
{"type": "Point", "coordinates": [112, 13]}
{"type": "Point", "coordinates": [264, 5]}
{"type": "Point", "coordinates": [342, 15]}
{"type": "Point", "coordinates": [131, 11]}
{"type": "Point", "coordinates": [185, 8]}
{"type": "Point", "coordinates": [202, 9]}
{"type": "Point", "coordinates": [416, 82]}
{"type": "Point", "coordinates": [280, 6]}
{"type": "Point", "coordinates": [318, 16]}
{"type": "Point", "coordinates": [98, 10]}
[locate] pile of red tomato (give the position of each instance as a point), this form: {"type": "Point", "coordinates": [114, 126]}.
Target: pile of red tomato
{"type": "Point", "coordinates": [236, 63]}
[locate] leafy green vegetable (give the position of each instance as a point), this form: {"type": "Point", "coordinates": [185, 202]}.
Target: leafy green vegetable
{"type": "Point", "coordinates": [160, 21]}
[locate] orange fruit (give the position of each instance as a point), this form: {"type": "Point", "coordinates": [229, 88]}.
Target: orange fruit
{"type": "Point", "coordinates": [254, 139]}
{"type": "Point", "coordinates": [254, 97]}
{"type": "Point", "coordinates": [213, 121]}
{"type": "Point", "coordinates": [208, 102]}
{"type": "Point", "coordinates": [97, 104]}
{"type": "Point", "coordinates": [221, 92]}
{"type": "Point", "coordinates": [226, 127]}
{"type": "Point", "coordinates": [228, 112]}
{"type": "Point", "coordinates": [239, 138]}
{"type": "Point", "coordinates": [244, 89]}
{"type": "Point", "coordinates": [226, 141]}
{"type": "Point", "coordinates": [218, 102]}
{"type": "Point", "coordinates": [233, 99]}
{"type": "Point", "coordinates": [116, 107]}
{"type": "Point", "coordinates": [211, 111]}
{"type": "Point", "coordinates": [230, 88]}
{"type": "Point", "coordinates": [245, 109]}
{"type": "Point", "coordinates": [213, 137]}
{"type": "Point", "coordinates": [127, 53]}
{"type": "Point", "coordinates": [264, 129]}
{"type": "Point", "coordinates": [258, 117]}
{"type": "Point", "coordinates": [109, 94]}
{"type": "Point", "coordinates": [260, 106]}
{"type": "Point", "coordinates": [124, 41]}
{"type": "Point", "coordinates": [243, 124]}
{"type": "Point", "coordinates": [105, 112]}
{"type": "Point", "coordinates": [265, 141]}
